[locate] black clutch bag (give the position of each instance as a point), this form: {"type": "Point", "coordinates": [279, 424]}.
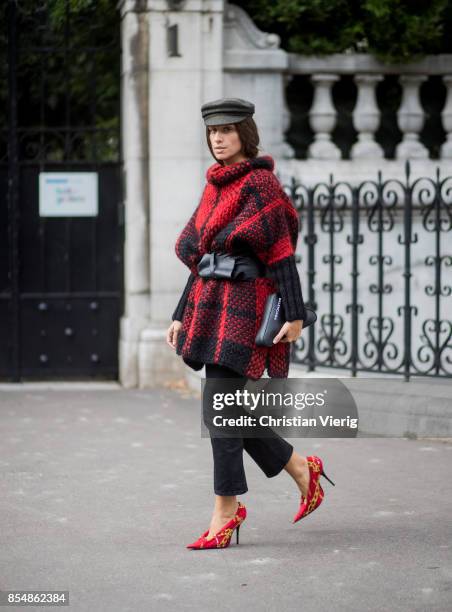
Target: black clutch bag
{"type": "Point", "coordinates": [274, 318]}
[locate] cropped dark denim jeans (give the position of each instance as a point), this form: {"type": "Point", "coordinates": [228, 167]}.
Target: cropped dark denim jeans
{"type": "Point", "coordinates": [270, 453]}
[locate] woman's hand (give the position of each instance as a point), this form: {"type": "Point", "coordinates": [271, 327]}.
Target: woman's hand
{"type": "Point", "coordinates": [171, 334]}
{"type": "Point", "coordinates": [291, 330]}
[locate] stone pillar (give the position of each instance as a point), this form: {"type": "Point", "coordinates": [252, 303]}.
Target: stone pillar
{"type": "Point", "coordinates": [366, 117]}
{"type": "Point", "coordinates": [134, 125]}
{"type": "Point", "coordinates": [446, 147]}
{"type": "Point", "coordinates": [255, 69]}
{"type": "Point", "coordinates": [411, 118]}
{"type": "Point", "coordinates": [323, 118]}
{"type": "Point", "coordinates": [185, 70]}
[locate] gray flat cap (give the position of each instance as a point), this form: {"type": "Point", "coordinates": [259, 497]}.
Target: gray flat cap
{"type": "Point", "coordinates": [226, 110]}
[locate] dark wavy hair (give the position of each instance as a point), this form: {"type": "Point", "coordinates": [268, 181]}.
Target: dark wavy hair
{"type": "Point", "coordinates": [249, 137]}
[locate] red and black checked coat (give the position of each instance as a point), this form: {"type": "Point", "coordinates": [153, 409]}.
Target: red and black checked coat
{"type": "Point", "coordinates": [243, 209]}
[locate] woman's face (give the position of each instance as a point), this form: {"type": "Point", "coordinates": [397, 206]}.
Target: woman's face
{"type": "Point", "coordinates": [225, 142]}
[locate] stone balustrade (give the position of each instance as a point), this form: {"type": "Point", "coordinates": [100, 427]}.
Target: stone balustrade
{"type": "Point", "coordinates": [367, 72]}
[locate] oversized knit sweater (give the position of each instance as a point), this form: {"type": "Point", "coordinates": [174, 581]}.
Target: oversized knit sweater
{"type": "Point", "coordinates": [243, 209]}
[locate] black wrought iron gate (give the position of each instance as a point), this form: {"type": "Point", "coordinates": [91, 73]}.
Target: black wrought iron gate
{"type": "Point", "coordinates": [61, 288]}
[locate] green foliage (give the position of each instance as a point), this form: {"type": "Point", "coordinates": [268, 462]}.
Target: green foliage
{"type": "Point", "coordinates": [404, 30]}
{"type": "Point", "coordinates": [392, 30]}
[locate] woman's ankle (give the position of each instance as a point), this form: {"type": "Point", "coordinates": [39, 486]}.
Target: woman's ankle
{"type": "Point", "coordinates": [226, 508]}
{"type": "Point", "coordinates": [296, 465]}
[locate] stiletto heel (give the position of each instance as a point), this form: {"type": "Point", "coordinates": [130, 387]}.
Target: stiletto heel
{"type": "Point", "coordinates": [222, 539]}
{"type": "Point", "coordinates": [329, 479]}
{"type": "Point", "coordinates": [315, 492]}
{"type": "Point", "coordinates": [237, 534]}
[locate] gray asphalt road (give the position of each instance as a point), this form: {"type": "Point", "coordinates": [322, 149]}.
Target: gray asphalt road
{"type": "Point", "coordinates": [101, 490]}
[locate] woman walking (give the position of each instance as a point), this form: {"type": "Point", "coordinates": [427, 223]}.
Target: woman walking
{"type": "Point", "coordinates": [239, 245]}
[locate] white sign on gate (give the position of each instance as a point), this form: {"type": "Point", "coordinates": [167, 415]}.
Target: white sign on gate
{"type": "Point", "coordinates": [68, 194]}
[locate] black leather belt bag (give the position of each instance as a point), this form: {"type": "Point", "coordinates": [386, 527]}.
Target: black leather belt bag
{"type": "Point", "coordinates": [230, 267]}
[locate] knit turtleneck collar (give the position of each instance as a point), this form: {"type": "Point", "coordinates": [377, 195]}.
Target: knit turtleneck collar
{"type": "Point", "coordinates": [221, 175]}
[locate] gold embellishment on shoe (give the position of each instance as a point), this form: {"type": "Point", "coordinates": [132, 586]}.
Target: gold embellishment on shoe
{"type": "Point", "coordinates": [227, 534]}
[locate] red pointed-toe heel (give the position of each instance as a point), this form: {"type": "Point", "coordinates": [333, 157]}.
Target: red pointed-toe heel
{"type": "Point", "coordinates": [222, 539]}
{"type": "Point", "coordinates": [315, 493]}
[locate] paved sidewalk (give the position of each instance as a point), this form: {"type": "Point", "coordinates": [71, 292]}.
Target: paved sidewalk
{"type": "Point", "coordinates": [102, 489]}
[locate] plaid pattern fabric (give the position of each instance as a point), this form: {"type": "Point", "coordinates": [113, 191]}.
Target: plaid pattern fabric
{"type": "Point", "coordinates": [243, 209]}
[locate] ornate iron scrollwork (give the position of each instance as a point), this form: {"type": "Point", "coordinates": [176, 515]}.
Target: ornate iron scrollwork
{"type": "Point", "coordinates": [381, 324]}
